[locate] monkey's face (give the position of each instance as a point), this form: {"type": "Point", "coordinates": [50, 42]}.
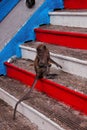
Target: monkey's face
{"type": "Point", "coordinates": [42, 54]}
{"type": "Point", "coordinates": [41, 49]}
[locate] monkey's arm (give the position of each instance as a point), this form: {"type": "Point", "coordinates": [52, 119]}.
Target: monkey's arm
{"type": "Point", "coordinates": [52, 61]}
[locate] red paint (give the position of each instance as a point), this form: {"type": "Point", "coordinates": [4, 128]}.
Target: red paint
{"type": "Point", "coordinates": [75, 4]}
{"type": "Point", "coordinates": [75, 99]}
{"type": "Point", "coordinates": [67, 39]}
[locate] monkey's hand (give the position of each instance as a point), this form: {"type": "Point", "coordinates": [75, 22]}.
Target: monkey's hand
{"type": "Point", "coordinates": [59, 66]}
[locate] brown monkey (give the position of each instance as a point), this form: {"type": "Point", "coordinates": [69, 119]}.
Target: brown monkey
{"type": "Point", "coordinates": [43, 59]}
{"type": "Point", "coordinates": [42, 66]}
{"type": "Point", "coordinates": [30, 3]}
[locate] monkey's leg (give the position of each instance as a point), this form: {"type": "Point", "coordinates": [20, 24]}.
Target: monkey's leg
{"type": "Point", "coordinates": [48, 75]}
{"type": "Point", "coordinates": [25, 97]}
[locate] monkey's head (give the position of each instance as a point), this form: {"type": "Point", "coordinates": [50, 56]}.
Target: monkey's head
{"type": "Point", "coordinates": [43, 55]}
{"type": "Point", "coordinates": [41, 49]}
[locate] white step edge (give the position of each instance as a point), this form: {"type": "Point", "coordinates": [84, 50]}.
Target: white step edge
{"type": "Point", "coordinates": [34, 116]}
{"type": "Point", "coordinates": [69, 64]}
{"type": "Point", "coordinates": [72, 19]}
{"type": "Point", "coordinates": [73, 13]}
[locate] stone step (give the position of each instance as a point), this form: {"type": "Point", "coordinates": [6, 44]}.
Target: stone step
{"type": "Point", "coordinates": [72, 37]}
{"type": "Point", "coordinates": [73, 61]}
{"type": "Point", "coordinates": [6, 110]}
{"type": "Point", "coordinates": [58, 112]}
{"type": "Point", "coordinates": [73, 18]}
{"type": "Point", "coordinates": [71, 81]}
{"type": "Point", "coordinates": [65, 87]}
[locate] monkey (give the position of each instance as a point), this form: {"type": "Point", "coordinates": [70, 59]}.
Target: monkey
{"type": "Point", "coordinates": [42, 64]}
{"type": "Point", "coordinates": [30, 3]}
{"type": "Point", "coordinates": [43, 56]}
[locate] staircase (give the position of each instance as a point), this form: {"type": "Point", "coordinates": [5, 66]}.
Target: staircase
{"type": "Point", "coordinates": [66, 39]}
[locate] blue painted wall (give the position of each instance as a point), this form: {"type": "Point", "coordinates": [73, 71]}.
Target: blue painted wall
{"type": "Point", "coordinates": [27, 31]}
{"type": "Point", "coordinates": [6, 6]}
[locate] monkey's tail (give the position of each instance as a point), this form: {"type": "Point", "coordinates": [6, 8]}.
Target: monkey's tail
{"type": "Point", "coordinates": [25, 97]}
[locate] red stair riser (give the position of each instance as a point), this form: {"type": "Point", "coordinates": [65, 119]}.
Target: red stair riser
{"type": "Point", "coordinates": [56, 91]}
{"type": "Point", "coordinates": [67, 39]}
{"type": "Point", "coordinates": [75, 4]}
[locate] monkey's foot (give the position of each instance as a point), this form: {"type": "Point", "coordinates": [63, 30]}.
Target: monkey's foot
{"type": "Point", "coordinates": [51, 76]}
